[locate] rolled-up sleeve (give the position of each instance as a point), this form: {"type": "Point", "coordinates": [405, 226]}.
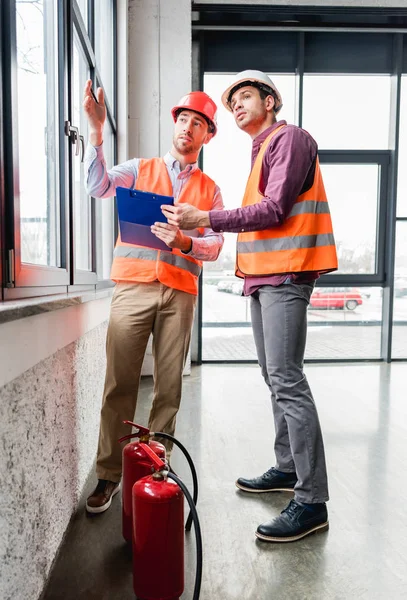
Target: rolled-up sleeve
{"type": "Point", "coordinates": [208, 246]}
{"type": "Point", "coordinates": [101, 182]}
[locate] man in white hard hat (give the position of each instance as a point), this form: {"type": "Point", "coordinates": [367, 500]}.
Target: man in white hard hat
{"type": "Point", "coordinates": [285, 242]}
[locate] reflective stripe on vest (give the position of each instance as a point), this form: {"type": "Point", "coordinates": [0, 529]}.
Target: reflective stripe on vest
{"type": "Point", "coordinates": [305, 240]}
{"type": "Point", "coordinates": [133, 263]}
{"type": "Point", "coordinates": [151, 254]}
{"type": "Point", "coordinates": [286, 243]}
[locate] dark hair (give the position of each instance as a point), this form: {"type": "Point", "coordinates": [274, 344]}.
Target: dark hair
{"type": "Point", "coordinates": [211, 127]}
{"type": "Point", "coordinates": [264, 90]}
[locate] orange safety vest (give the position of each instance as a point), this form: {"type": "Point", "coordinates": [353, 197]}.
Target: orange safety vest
{"type": "Point", "coordinates": [135, 264]}
{"type": "Point", "coordinates": [304, 242]}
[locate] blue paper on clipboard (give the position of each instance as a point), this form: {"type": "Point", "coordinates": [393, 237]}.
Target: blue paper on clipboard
{"type": "Point", "coordinates": [137, 212]}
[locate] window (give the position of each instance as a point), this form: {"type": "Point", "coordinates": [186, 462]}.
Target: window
{"type": "Point", "coordinates": [341, 111]}
{"type": "Point", "coordinates": [54, 234]}
{"type": "Point", "coordinates": [38, 132]}
{"type": "Point", "coordinates": [226, 313]}
{"type": "Point", "coordinates": [343, 89]}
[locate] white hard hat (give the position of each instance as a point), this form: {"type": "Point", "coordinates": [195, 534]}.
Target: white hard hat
{"type": "Point", "coordinates": [257, 79]}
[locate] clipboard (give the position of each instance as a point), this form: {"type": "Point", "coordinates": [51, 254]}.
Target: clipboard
{"type": "Point", "coordinates": [137, 212]}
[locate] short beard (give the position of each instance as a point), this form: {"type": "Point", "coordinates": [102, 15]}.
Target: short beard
{"type": "Point", "coordinates": [182, 148]}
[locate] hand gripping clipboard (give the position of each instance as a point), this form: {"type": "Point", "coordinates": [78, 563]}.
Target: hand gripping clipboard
{"type": "Point", "coordinates": [137, 212]}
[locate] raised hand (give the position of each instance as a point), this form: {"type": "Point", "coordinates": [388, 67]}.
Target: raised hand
{"type": "Point", "coordinates": [95, 112]}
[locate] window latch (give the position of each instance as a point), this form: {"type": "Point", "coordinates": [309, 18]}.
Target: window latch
{"type": "Point", "coordinates": [73, 133]}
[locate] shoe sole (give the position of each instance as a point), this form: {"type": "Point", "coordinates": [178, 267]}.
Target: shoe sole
{"type": "Point", "coordinates": [95, 510]}
{"type": "Point", "coordinates": [252, 491]}
{"type": "Point", "coordinates": [318, 529]}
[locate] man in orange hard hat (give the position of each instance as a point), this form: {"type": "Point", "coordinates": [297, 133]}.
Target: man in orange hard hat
{"type": "Point", "coordinates": [155, 290]}
{"type": "Point", "coordinates": [285, 242]}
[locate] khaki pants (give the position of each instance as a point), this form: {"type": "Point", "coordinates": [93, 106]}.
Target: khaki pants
{"type": "Point", "coordinates": [137, 310]}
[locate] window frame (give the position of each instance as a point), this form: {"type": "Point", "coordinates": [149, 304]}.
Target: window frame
{"type": "Point", "coordinates": [381, 158]}
{"type": "Point", "coordinates": [24, 280]}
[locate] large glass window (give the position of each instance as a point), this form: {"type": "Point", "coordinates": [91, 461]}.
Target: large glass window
{"type": "Point", "coordinates": [400, 293]}
{"type": "Point", "coordinates": [348, 111]}
{"type": "Point", "coordinates": [352, 192]}
{"type": "Point", "coordinates": [344, 322]}
{"type": "Point", "coordinates": [402, 171]}
{"type": "Point", "coordinates": [226, 314]}
{"type": "Point", "coordinates": [38, 133]}
{"type": "Point", "coordinates": [47, 216]}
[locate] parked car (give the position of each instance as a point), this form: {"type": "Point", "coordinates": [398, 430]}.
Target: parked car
{"type": "Point", "coordinates": [337, 297]}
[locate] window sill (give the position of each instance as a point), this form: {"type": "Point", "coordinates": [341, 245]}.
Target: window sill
{"type": "Point", "coordinates": [18, 309]}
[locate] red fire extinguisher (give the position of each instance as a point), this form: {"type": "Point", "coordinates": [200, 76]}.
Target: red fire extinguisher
{"type": "Point", "coordinates": [136, 464]}
{"type": "Point", "coordinates": [158, 534]}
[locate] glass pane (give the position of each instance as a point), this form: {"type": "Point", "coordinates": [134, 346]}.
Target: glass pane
{"type": "Point", "coordinates": [344, 322]}
{"type": "Point", "coordinates": [339, 110]}
{"type": "Point", "coordinates": [402, 171]}
{"type": "Point", "coordinates": [104, 45]}
{"type": "Point", "coordinates": [83, 7]}
{"type": "Point", "coordinates": [82, 204]}
{"type": "Point", "coordinates": [38, 139]}
{"type": "Point", "coordinates": [233, 340]}
{"type": "Point", "coordinates": [399, 349]}
{"type": "Point", "coordinates": [105, 215]}
{"type": "Point", "coordinates": [352, 191]}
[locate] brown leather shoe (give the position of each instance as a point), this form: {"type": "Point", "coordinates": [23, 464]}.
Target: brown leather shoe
{"type": "Point", "coordinates": [101, 497]}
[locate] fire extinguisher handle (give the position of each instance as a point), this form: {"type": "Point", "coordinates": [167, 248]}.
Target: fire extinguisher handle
{"type": "Point", "coordinates": [141, 431]}
{"type": "Point", "coordinates": [157, 462]}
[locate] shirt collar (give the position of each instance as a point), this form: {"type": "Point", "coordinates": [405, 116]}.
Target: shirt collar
{"type": "Point", "coordinates": [173, 163]}
{"type": "Point", "coordinates": [257, 142]}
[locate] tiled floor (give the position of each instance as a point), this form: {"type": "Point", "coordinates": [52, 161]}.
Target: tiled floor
{"type": "Point", "coordinates": [226, 423]}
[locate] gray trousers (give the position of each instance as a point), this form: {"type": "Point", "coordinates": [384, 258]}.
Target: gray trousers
{"type": "Point", "coordinates": [279, 321]}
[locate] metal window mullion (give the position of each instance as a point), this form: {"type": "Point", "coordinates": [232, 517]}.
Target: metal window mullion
{"type": "Point", "coordinates": [390, 244]}
{"type": "Point", "coordinates": [199, 321]}
{"type": "Point", "coordinates": [299, 78]}
{"type": "Point", "coordinates": [11, 168]}
{"type": "Point", "coordinates": [2, 190]}
{"type": "Point", "coordinates": [114, 112]}
{"type": "Point", "coordinates": [83, 34]}
{"type": "Point", "coordinates": [64, 143]}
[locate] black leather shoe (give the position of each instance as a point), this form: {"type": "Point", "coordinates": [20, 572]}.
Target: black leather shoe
{"type": "Point", "coordinates": [271, 481]}
{"type": "Point", "coordinates": [295, 522]}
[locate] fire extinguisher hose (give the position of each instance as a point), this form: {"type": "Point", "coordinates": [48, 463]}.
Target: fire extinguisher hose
{"type": "Point", "coordinates": [167, 436]}
{"type": "Point", "coordinates": [198, 536]}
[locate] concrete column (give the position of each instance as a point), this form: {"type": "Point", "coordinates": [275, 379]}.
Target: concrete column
{"type": "Point", "coordinates": [159, 69]}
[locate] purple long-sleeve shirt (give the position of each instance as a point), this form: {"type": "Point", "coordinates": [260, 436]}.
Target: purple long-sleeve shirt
{"type": "Point", "coordinates": [287, 171]}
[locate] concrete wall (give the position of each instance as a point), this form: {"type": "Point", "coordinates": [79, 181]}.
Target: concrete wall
{"type": "Point", "coordinates": [51, 380]}
{"type": "Point", "coordinates": [159, 75]}
{"type": "Point", "coordinates": [52, 368]}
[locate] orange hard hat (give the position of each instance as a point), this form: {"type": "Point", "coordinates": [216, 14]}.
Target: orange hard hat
{"type": "Point", "coordinates": [201, 103]}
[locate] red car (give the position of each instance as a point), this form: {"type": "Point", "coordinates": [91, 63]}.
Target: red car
{"type": "Point", "coordinates": [337, 297]}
